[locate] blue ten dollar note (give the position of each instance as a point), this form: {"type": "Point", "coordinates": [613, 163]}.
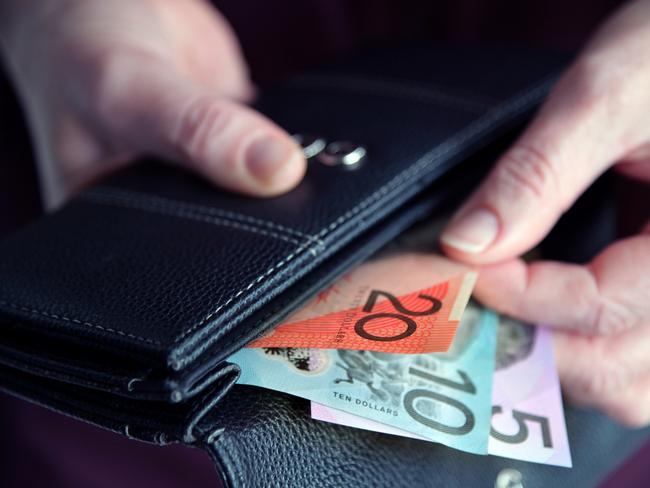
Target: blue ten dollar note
{"type": "Point", "coordinates": [444, 397]}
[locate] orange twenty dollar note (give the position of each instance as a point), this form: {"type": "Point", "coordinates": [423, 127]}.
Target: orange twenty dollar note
{"type": "Point", "coordinates": [408, 303]}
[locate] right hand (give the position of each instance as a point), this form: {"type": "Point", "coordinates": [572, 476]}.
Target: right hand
{"type": "Point", "coordinates": [102, 82]}
{"type": "Point", "coordinates": [597, 117]}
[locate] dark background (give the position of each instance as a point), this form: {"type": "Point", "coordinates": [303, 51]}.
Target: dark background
{"type": "Point", "coordinates": [279, 38]}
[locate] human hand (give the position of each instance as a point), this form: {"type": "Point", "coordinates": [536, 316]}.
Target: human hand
{"type": "Point", "coordinates": [104, 81]}
{"type": "Point", "coordinates": [597, 116]}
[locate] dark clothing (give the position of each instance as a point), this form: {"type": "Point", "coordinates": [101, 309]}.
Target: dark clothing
{"type": "Point", "coordinates": [284, 36]}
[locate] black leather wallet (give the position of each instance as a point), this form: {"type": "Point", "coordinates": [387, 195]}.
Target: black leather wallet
{"type": "Point", "coordinates": [122, 308]}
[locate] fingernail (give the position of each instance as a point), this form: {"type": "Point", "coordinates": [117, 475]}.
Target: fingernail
{"type": "Point", "coordinates": [473, 232]}
{"type": "Point", "coordinates": [265, 156]}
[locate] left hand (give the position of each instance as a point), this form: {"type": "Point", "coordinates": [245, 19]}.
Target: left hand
{"type": "Point", "coordinates": [598, 116]}
{"type": "Point", "coordinates": [104, 82]}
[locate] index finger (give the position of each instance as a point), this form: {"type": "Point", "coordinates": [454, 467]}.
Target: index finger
{"type": "Point", "coordinates": [610, 294]}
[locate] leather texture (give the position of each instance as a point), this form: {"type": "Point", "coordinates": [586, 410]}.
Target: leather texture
{"type": "Point", "coordinates": [120, 308]}
{"type": "Point", "coordinates": [271, 441]}
{"type": "Point", "coordinates": [157, 272]}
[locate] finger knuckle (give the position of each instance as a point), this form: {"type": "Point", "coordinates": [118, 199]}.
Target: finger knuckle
{"type": "Point", "coordinates": [112, 73]}
{"type": "Point", "coordinates": [611, 318]}
{"type": "Point", "coordinates": [527, 173]}
{"type": "Point", "coordinates": [603, 380]}
{"type": "Point", "coordinates": [597, 85]}
{"type": "Point", "coordinates": [105, 81]}
{"type": "Point", "coordinates": [199, 124]}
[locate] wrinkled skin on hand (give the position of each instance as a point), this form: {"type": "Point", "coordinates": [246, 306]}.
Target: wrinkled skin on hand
{"type": "Point", "coordinates": [102, 82]}
{"type": "Point", "coordinates": [598, 116]}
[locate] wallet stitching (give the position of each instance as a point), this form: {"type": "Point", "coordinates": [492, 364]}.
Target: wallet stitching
{"type": "Point", "coordinates": [76, 380]}
{"type": "Point", "coordinates": [80, 322]}
{"type": "Point", "coordinates": [473, 129]}
{"type": "Point", "coordinates": [188, 214]}
{"type": "Point", "coordinates": [260, 278]}
{"type": "Point", "coordinates": [144, 201]}
{"type": "Point", "coordinates": [385, 88]}
{"type": "Point", "coordinates": [55, 375]}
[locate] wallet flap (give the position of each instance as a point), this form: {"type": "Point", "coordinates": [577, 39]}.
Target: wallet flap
{"type": "Point", "coordinates": [158, 267]}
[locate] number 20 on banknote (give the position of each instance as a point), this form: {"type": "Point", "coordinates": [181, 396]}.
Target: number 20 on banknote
{"type": "Point", "coordinates": [408, 304]}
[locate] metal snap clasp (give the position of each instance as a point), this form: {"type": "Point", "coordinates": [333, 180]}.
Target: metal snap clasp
{"type": "Point", "coordinates": [343, 153]}
{"type": "Point", "coordinates": [509, 478]}
{"type": "Point", "coordinates": [311, 145]}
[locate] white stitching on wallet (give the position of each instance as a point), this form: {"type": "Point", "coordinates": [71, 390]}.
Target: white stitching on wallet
{"type": "Point", "coordinates": [144, 201]}
{"type": "Point", "coordinates": [241, 292]}
{"type": "Point", "coordinates": [187, 214]}
{"type": "Point", "coordinates": [77, 321]}
{"type": "Point", "coordinates": [472, 130]}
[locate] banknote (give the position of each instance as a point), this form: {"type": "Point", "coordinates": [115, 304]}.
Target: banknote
{"type": "Point", "coordinates": [443, 397]}
{"type": "Point", "coordinates": [527, 414]}
{"type": "Point", "coordinates": [409, 303]}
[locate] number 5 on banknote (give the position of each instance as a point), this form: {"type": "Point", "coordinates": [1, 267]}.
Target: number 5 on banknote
{"type": "Point", "coordinates": [527, 418]}
{"type": "Point", "coordinates": [522, 434]}
{"type": "Point", "coordinates": [527, 414]}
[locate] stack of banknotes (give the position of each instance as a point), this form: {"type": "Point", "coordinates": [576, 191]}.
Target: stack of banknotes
{"type": "Point", "coordinates": [397, 346]}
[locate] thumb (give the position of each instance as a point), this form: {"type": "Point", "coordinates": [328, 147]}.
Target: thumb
{"type": "Point", "coordinates": [575, 137]}
{"type": "Point", "coordinates": [157, 110]}
{"type": "Point", "coordinates": [596, 116]}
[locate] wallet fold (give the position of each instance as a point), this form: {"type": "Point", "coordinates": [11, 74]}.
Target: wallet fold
{"type": "Point", "coordinates": [122, 307]}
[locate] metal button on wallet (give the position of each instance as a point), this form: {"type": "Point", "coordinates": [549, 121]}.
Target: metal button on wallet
{"type": "Point", "coordinates": [311, 144]}
{"type": "Point", "coordinates": [509, 478]}
{"type": "Point", "coordinates": [343, 153]}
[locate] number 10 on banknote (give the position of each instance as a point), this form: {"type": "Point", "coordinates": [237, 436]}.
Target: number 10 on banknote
{"type": "Point", "coordinates": [527, 415]}
{"type": "Point", "coordinates": [444, 397]}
